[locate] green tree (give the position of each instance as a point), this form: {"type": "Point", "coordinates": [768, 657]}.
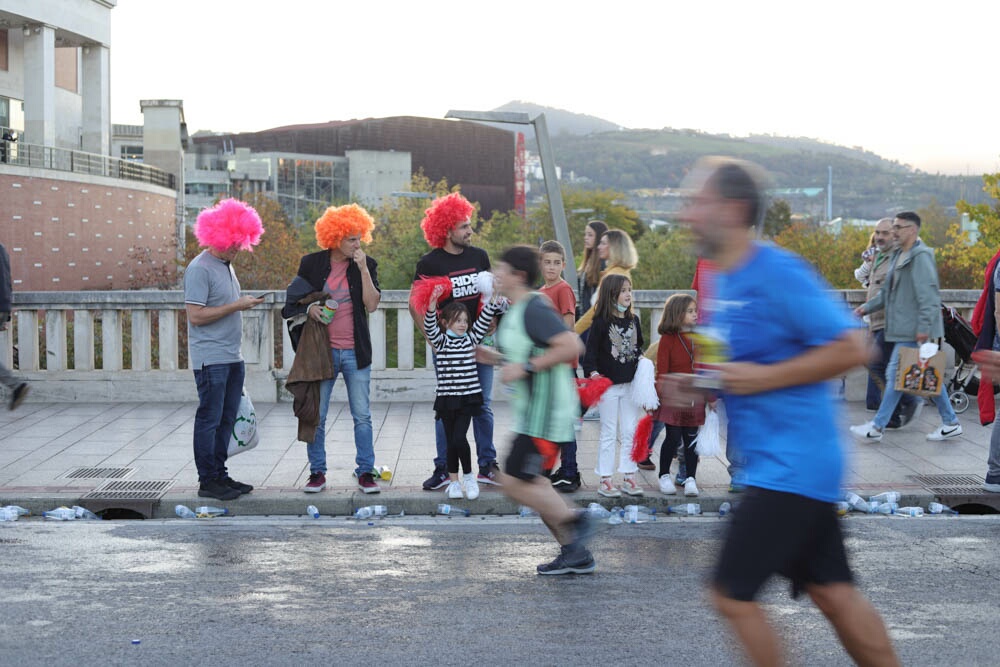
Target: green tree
{"type": "Point", "coordinates": [935, 224]}
{"type": "Point", "coordinates": [960, 262]}
{"type": "Point", "coordinates": [600, 204]}
{"type": "Point", "coordinates": [777, 218]}
{"type": "Point", "coordinates": [834, 256]}
{"type": "Point", "coordinates": [666, 260]}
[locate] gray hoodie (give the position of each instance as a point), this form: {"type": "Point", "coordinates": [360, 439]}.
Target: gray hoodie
{"type": "Point", "coordinates": [912, 303]}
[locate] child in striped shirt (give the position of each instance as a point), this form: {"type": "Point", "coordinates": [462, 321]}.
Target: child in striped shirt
{"type": "Point", "coordinates": [459, 394]}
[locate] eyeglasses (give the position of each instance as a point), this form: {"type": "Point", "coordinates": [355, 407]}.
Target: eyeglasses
{"type": "Point", "coordinates": [896, 228]}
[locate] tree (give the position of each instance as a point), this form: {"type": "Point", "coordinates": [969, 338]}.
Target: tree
{"type": "Point", "coordinates": [777, 218]}
{"type": "Point", "coordinates": [964, 262]}
{"type": "Point", "coordinates": [834, 256]}
{"type": "Point", "coordinates": [935, 224]}
{"type": "Point", "coordinates": [666, 260]}
{"type": "Point", "coordinates": [601, 204]}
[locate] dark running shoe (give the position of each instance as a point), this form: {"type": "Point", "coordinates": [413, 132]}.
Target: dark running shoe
{"type": "Point", "coordinates": [438, 480]}
{"type": "Point", "coordinates": [316, 483]}
{"type": "Point", "coordinates": [366, 482]}
{"type": "Point", "coordinates": [489, 474]}
{"type": "Point", "coordinates": [17, 395]}
{"type": "Point", "coordinates": [217, 489]}
{"type": "Point", "coordinates": [566, 483]}
{"type": "Point", "coordinates": [569, 562]}
{"type": "Point", "coordinates": [239, 486]}
{"type": "Point", "coordinates": [646, 465]}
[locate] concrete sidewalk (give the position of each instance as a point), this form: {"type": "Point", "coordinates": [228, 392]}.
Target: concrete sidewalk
{"type": "Point", "coordinates": [42, 442]}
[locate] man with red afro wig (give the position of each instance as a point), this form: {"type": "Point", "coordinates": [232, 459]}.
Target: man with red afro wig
{"type": "Point", "coordinates": [334, 291]}
{"type": "Point", "coordinates": [213, 303]}
{"type": "Point", "coordinates": [447, 227]}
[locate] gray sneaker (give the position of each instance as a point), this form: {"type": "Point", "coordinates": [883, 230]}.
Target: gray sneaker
{"type": "Point", "coordinates": [992, 484]}
{"type": "Point", "coordinates": [567, 562]}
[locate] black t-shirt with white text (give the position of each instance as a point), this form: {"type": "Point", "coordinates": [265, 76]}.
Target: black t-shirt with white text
{"type": "Point", "coordinates": [461, 269]}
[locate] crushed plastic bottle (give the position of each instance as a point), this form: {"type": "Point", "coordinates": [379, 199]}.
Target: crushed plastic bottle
{"type": "Point", "coordinates": [882, 508]}
{"type": "Point", "coordinates": [380, 510]}
{"type": "Point", "coordinates": [598, 511]}
{"type": "Point", "coordinates": [60, 514]}
{"type": "Point", "coordinates": [7, 514]}
{"type": "Point", "coordinates": [364, 513]}
{"type": "Point", "coordinates": [384, 473]}
{"type": "Point", "coordinates": [84, 513]}
{"type": "Point", "coordinates": [910, 511]}
{"type": "Point", "coordinates": [689, 509]}
{"type": "Point", "coordinates": [856, 502]}
{"type": "Point", "coordinates": [638, 514]}
{"type": "Point", "coordinates": [313, 511]}
{"type": "Point", "coordinates": [887, 497]}
{"type": "Point", "coordinates": [17, 508]}
{"type": "Point", "coordinates": [526, 512]}
{"type": "Point", "coordinates": [207, 512]}
{"type": "Point", "coordinates": [842, 507]}
{"type": "Point", "coordinates": [184, 512]}
{"type": "Point", "coordinates": [444, 508]}
{"type": "Point", "coordinates": [725, 508]}
{"type": "Point", "coordinates": [938, 508]}
{"type": "Point", "coordinates": [615, 516]}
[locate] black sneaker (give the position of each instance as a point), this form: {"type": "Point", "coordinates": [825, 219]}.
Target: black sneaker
{"type": "Point", "coordinates": [216, 488]}
{"type": "Point", "coordinates": [489, 474]}
{"type": "Point", "coordinates": [17, 395]}
{"type": "Point", "coordinates": [239, 486]}
{"type": "Point", "coordinates": [438, 480]}
{"type": "Point", "coordinates": [566, 483]}
{"type": "Point", "coordinates": [578, 562]}
{"type": "Point", "coordinates": [910, 411]}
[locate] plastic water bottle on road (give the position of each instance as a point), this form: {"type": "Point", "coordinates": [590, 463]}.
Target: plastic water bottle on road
{"type": "Point", "coordinates": [526, 512]}
{"type": "Point", "coordinates": [887, 497]}
{"type": "Point", "coordinates": [910, 511]}
{"type": "Point", "coordinates": [598, 511]}
{"type": "Point", "coordinates": [184, 512]}
{"type": "Point", "coordinates": [60, 514]}
{"type": "Point", "coordinates": [689, 509]}
{"type": "Point", "coordinates": [448, 510]}
{"type": "Point", "coordinates": [84, 513]}
{"type": "Point", "coordinates": [206, 511]}
{"type": "Point", "coordinates": [17, 508]}
{"type": "Point", "coordinates": [883, 508]}
{"type": "Point", "coordinates": [856, 502]}
{"type": "Point", "coordinates": [313, 511]}
{"type": "Point", "coordinates": [938, 508]}
{"type": "Point", "coordinates": [364, 513]}
{"type": "Point", "coordinates": [725, 508]}
{"type": "Point", "coordinates": [842, 507]}
{"type": "Point", "coordinates": [7, 514]}
{"type": "Point", "coordinates": [639, 514]}
{"type": "Point", "coordinates": [380, 510]}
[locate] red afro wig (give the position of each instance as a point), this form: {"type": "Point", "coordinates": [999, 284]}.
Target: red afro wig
{"type": "Point", "coordinates": [227, 224]}
{"type": "Point", "coordinates": [442, 217]}
{"type": "Point", "coordinates": [339, 222]}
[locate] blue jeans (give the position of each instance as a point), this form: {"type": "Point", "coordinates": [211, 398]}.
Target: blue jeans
{"type": "Point", "coordinates": [482, 425]}
{"type": "Point", "coordinates": [877, 369]}
{"type": "Point", "coordinates": [891, 395]}
{"type": "Point", "coordinates": [219, 389]}
{"type": "Point", "coordinates": [358, 384]}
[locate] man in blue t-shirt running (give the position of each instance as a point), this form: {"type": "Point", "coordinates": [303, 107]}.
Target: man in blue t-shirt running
{"type": "Point", "coordinates": [785, 339]}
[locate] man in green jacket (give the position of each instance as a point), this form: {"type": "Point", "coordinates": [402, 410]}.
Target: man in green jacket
{"type": "Point", "coordinates": [912, 307]}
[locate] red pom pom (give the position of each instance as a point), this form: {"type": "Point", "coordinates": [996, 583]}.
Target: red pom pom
{"type": "Point", "coordinates": [420, 293]}
{"type": "Point", "coordinates": [549, 451]}
{"type": "Point", "coordinates": [640, 443]}
{"type": "Point", "coordinates": [591, 390]}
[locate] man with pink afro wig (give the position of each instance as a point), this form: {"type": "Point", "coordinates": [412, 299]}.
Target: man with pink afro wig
{"type": "Point", "coordinates": [447, 226]}
{"type": "Point", "coordinates": [213, 303]}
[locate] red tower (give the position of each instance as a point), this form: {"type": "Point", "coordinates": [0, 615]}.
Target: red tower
{"type": "Point", "coordinates": [519, 159]}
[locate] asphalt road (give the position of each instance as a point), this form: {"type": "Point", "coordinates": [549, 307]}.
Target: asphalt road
{"type": "Point", "coordinates": [459, 591]}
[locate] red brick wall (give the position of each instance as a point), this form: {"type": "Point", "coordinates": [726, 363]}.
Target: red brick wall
{"type": "Point", "coordinates": [70, 235]}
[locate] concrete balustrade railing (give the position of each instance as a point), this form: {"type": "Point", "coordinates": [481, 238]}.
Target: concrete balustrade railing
{"type": "Point", "coordinates": [130, 345]}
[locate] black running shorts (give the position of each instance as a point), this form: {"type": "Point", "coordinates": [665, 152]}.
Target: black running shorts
{"type": "Point", "coordinates": [773, 532]}
{"type": "Point", "coordinates": [524, 460]}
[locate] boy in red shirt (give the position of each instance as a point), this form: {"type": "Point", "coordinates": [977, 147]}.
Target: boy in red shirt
{"type": "Point", "coordinates": [559, 292]}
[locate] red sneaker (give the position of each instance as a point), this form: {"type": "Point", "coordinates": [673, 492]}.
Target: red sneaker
{"type": "Point", "coordinates": [316, 483]}
{"type": "Point", "coordinates": [366, 482]}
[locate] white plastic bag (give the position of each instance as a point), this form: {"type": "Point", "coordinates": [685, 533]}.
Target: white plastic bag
{"type": "Point", "coordinates": [708, 442]}
{"type": "Point", "coordinates": [244, 436]}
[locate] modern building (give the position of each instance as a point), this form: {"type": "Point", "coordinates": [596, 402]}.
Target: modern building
{"type": "Point", "coordinates": [477, 157]}
{"type": "Point", "coordinates": [72, 216]}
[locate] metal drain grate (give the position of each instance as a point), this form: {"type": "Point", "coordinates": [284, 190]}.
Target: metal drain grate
{"type": "Point", "coordinates": [99, 473]}
{"type": "Point", "coordinates": [930, 481]}
{"type": "Point", "coordinates": [141, 496]}
{"type": "Point", "coordinates": [149, 489]}
{"type": "Point", "coordinates": [959, 490]}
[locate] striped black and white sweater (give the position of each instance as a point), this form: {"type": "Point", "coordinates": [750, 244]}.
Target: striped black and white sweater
{"type": "Point", "coordinates": [455, 358]}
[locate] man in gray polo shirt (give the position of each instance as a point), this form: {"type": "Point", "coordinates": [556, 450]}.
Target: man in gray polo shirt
{"type": "Point", "coordinates": [215, 330]}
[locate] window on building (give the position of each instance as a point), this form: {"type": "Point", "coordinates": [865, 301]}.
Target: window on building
{"type": "Point", "coordinates": [66, 68]}
{"type": "Point", "coordinates": [3, 51]}
{"type": "Point", "coordinates": [4, 112]}
{"type": "Point", "coordinates": [133, 153]}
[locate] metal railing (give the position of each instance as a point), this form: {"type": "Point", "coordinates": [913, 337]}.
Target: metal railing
{"type": "Point", "coordinates": [64, 159]}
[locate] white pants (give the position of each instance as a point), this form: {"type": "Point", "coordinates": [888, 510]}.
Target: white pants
{"type": "Point", "coordinates": [619, 418]}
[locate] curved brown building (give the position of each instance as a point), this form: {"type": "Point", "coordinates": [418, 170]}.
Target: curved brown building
{"type": "Point", "coordinates": [477, 157]}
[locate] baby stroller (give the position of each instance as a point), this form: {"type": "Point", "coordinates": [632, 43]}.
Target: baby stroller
{"type": "Point", "coordinates": [965, 382]}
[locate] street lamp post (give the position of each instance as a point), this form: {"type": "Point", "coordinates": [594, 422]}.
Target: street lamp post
{"type": "Point", "coordinates": [552, 191]}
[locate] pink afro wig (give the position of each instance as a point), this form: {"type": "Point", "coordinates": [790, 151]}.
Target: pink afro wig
{"type": "Point", "coordinates": [229, 223]}
{"type": "Point", "coordinates": [442, 217]}
{"type": "Point", "coordinates": [339, 222]}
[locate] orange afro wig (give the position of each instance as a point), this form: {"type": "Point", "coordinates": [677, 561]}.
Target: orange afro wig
{"type": "Point", "coordinates": [339, 222]}
{"type": "Point", "coordinates": [442, 217]}
{"type": "Point", "coordinates": [227, 224]}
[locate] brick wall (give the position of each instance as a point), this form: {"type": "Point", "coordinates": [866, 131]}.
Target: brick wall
{"type": "Point", "coordinates": [65, 234]}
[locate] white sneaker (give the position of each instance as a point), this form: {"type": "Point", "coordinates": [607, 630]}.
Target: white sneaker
{"type": "Point", "coordinates": [455, 490]}
{"type": "Point", "coordinates": [690, 488]}
{"type": "Point", "coordinates": [631, 487]}
{"type": "Point", "coordinates": [867, 431]}
{"type": "Point", "coordinates": [945, 431]}
{"type": "Point", "coordinates": [667, 487]}
{"type": "Point", "coordinates": [471, 487]}
{"type": "Point", "coordinates": [607, 489]}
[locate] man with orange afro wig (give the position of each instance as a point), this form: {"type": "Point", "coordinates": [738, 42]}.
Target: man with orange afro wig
{"type": "Point", "coordinates": [213, 303]}
{"type": "Point", "coordinates": [333, 293]}
{"type": "Point", "coordinates": [447, 227]}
